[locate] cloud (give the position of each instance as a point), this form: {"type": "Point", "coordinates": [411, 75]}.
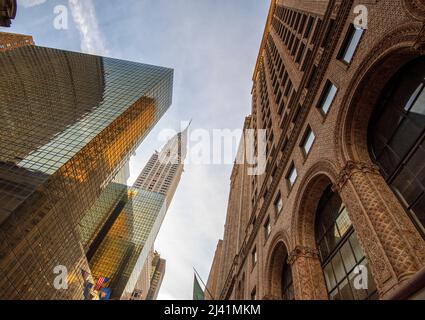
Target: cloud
{"type": "Point", "coordinates": [30, 3]}
{"type": "Point", "coordinates": [84, 15]}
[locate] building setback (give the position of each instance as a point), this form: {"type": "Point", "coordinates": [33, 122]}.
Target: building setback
{"type": "Point", "coordinates": [344, 189]}
{"type": "Point", "coordinates": [69, 122]}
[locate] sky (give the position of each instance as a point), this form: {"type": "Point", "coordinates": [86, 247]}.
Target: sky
{"type": "Point", "coordinates": [212, 45]}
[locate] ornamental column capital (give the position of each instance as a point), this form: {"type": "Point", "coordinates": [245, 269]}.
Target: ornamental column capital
{"type": "Point", "coordinates": [302, 251]}
{"type": "Point", "coordinates": [351, 168]}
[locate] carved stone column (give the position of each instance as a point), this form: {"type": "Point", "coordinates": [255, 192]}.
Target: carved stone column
{"type": "Point", "coordinates": [309, 282]}
{"type": "Point", "coordinates": [393, 247]}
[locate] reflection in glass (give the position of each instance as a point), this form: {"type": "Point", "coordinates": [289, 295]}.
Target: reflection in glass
{"type": "Point", "coordinates": [339, 250]}
{"type": "Point", "coordinates": [397, 137]}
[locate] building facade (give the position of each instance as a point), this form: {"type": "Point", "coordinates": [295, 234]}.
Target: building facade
{"type": "Point", "coordinates": [161, 176]}
{"type": "Point", "coordinates": [342, 103]}
{"type": "Point", "coordinates": [157, 275]}
{"type": "Point", "coordinates": [69, 123]}
{"type": "Point", "coordinates": [9, 41]}
{"type": "Point", "coordinates": [7, 12]}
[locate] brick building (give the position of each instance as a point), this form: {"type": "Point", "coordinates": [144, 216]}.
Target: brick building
{"type": "Point", "coordinates": [10, 41]}
{"type": "Point", "coordinates": [342, 197]}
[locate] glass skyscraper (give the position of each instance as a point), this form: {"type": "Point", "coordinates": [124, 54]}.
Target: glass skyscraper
{"type": "Point", "coordinates": [121, 249]}
{"type": "Point", "coordinates": [68, 124]}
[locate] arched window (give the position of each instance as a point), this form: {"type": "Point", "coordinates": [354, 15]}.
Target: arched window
{"type": "Point", "coordinates": [287, 283]}
{"type": "Point", "coordinates": [281, 284]}
{"type": "Point", "coordinates": [343, 260]}
{"type": "Point", "coordinates": [396, 138]}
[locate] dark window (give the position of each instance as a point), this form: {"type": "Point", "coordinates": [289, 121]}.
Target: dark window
{"type": "Point", "coordinates": [329, 32]}
{"type": "Point", "coordinates": [254, 257]}
{"type": "Point", "coordinates": [397, 138]}
{"type": "Point", "coordinates": [339, 250]}
{"type": "Point", "coordinates": [267, 228]}
{"type": "Point", "coordinates": [287, 283]}
{"type": "Point", "coordinates": [292, 176]}
{"type": "Point", "coordinates": [278, 204]}
{"type": "Point", "coordinates": [350, 43]}
{"type": "Point", "coordinates": [307, 141]}
{"type": "Point", "coordinates": [309, 27]}
{"type": "Point", "coordinates": [254, 294]}
{"type": "Point", "coordinates": [328, 97]}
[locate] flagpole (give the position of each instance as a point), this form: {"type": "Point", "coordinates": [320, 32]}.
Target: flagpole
{"type": "Point", "coordinates": [206, 288]}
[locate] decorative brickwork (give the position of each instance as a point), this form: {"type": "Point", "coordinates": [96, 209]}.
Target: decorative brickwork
{"type": "Point", "coordinates": [301, 57]}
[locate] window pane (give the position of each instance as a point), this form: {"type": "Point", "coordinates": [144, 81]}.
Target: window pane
{"type": "Point", "coordinates": [371, 285]}
{"type": "Point", "coordinates": [418, 109]}
{"type": "Point", "coordinates": [279, 204]}
{"type": "Point", "coordinates": [417, 164]}
{"type": "Point", "coordinates": [352, 44]}
{"type": "Point", "coordinates": [329, 98]}
{"type": "Point", "coordinates": [358, 294]}
{"type": "Point", "coordinates": [338, 267]}
{"type": "Point", "coordinates": [293, 176]}
{"type": "Point", "coordinates": [343, 222]}
{"type": "Point", "coordinates": [407, 186]}
{"type": "Point", "coordinates": [419, 212]}
{"type": "Point", "coordinates": [323, 249]}
{"type": "Point", "coordinates": [345, 290]}
{"type": "Point", "coordinates": [388, 161]}
{"type": "Point", "coordinates": [329, 277]}
{"type": "Point", "coordinates": [308, 142]}
{"type": "Point", "coordinates": [407, 134]}
{"type": "Point", "coordinates": [333, 238]}
{"type": "Point", "coordinates": [348, 257]}
{"type": "Point", "coordinates": [334, 295]}
{"type": "Point", "coordinates": [414, 96]}
{"type": "Point", "coordinates": [355, 244]}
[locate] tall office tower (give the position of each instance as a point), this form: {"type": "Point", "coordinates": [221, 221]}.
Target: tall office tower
{"type": "Point", "coordinates": [68, 124]}
{"type": "Point", "coordinates": [10, 41]}
{"type": "Point", "coordinates": [121, 248]}
{"type": "Point", "coordinates": [339, 88]}
{"type": "Point", "coordinates": [164, 169]}
{"type": "Point", "coordinates": [7, 12]}
{"type": "Point", "coordinates": [150, 278]}
{"type": "Point", "coordinates": [157, 275]}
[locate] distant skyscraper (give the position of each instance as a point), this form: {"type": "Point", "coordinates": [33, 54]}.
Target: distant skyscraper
{"type": "Point", "coordinates": [157, 276]}
{"type": "Point", "coordinates": [7, 12]}
{"type": "Point", "coordinates": [164, 169]}
{"type": "Point", "coordinates": [9, 41]}
{"type": "Point", "coordinates": [68, 124]}
{"type": "Point", "coordinates": [123, 251]}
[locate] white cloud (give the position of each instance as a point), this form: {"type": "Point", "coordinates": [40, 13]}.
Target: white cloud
{"type": "Point", "coordinates": [30, 3]}
{"type": "Point", "coordinates": [84, 15]}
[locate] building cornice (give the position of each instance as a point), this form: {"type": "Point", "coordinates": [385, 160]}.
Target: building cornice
{"type": "Point", "coordinates": [263, 40]}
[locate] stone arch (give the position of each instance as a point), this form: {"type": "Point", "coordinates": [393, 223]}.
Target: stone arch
{"type": "Point", "coordinates": [276, 258]}
{"type": "Point", "coordinates": [314, 183]}
{"type": "Point", "coordinates": [391, 242]}
{"type": "Point", "coordinates": [415, 8]}
{"type": "Point", "coordinates": [309, 282]}
{"type": "Point", "coordinates": [363, 93]}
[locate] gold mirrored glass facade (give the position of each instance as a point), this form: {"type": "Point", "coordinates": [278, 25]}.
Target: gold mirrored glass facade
{"type": "Point", "coordinates": [124, 249]}
{"type": "Point", "coordinates": [68, 124]}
